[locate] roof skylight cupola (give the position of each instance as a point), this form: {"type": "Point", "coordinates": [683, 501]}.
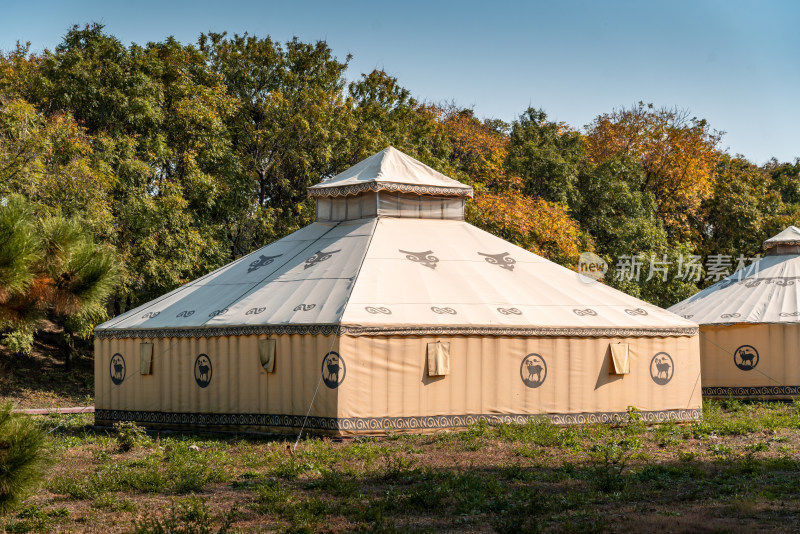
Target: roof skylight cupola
{"type": "Point", "coordinates": [786, 242]}
{"type": "Point", "coordinates": [390, 184]}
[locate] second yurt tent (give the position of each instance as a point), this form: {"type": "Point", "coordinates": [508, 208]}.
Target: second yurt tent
{"type": "Point", "coordinates": [750, 325]}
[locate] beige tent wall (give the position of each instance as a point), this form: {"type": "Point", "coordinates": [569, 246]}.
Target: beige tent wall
{"type": "Point", "coordinates": [388, 386]}
{"type": "Point", "coordinates": [777, 373]}
{"type": "Point", "coordinates": [239, 386]}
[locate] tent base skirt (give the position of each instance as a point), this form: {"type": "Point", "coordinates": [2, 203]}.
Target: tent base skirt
{"type": "Point", "coordinates": [754, 392]}
{"type": "Point", "coordinates": [290, 424]}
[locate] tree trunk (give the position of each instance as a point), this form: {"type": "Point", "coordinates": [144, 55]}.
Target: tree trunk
{"type": "Point", "coordinates": [69, 348]}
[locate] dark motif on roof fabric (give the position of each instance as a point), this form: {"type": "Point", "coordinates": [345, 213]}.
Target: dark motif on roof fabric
{"type": "Point", "coordinates": [425, 258]}
{"type": "Point", "coordinates": [150, 315]}
{"type": "Point", "coordinates": [344, 190]}
{"type": "Point", "coordinates": [255, 311]}
{"type": "Point", "coordinates": [730, 315]}
{"type": "Point", "coordinates": [438, 310]}
{"type": "Point", "coordinates": [636, 311]}
{"type": "Point", "coordinates": [510, 311]}
{"type": "Point", "coordinates": [218, 312]}
{"type": "Point", "coordinates": [262, 261]}
{"type": "Point", "coordinates": [755, 282]}
{"type": "Point", "coordinates": [790, 314]}
{"type": "Point", "coordinates": [503, 260]}
{"type": "Point", "coordinates": [185, 313]}
{"type": "Point", "coordinates": [583, 313]}
{"type": "Point", "coordinates": [319, 257]}
{"type": "Point", "coordinates": [374, 310]}
{"type": "Point", "coordinates": [305, 307]}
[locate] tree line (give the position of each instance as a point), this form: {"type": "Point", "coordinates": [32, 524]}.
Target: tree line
{"type": "Point", "coordinates": [169, 160]}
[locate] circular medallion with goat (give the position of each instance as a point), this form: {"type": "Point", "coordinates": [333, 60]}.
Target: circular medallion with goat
{"type": "Point", "coordinates": [745, 357]}
{"type": "Point", "coordinates": [333, 370]}
{"type": "Point", "coordinates": [533, 370]}
{"type": "Point", "coordinates": [117, 368]}
{"type": "Point", "coordinates": [662, 368]}
{"type": "Point", "coordinates": [202, 370]}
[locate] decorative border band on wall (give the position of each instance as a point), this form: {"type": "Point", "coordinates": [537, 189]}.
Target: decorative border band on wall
{"type": "Point", "coordinates": [517, 331]}
{"type": "Point", "coordinates": [326, 330]}
{"type": "Point", "coordinates": [344, 190]}
{"type": "Point", "coordinates": [750, 391]}
{"type": "Point", "coordinates": [367, 424]}
{"type": "Point", "coordinates": [219, 331]}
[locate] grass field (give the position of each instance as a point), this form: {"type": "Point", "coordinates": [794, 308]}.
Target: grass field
{"type": "Point", "coordinates": [736, 470]}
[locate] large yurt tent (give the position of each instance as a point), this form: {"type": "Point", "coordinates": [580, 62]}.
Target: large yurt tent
{"type": "Point", "coordinates": [750, 325]}
{"type": "Point", "coordinates": [388, 312]}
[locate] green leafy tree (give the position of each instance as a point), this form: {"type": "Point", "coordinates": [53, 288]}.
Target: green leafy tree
{"type": "Point", "coordinates": [290, 115]}
{"type": "Point", "coordinates": [548, 156]}
{"type": "Point", "coordinates": [52, 265]}
{"type": "Point", "coordinates": [742, 210]}
{"type": "Point", "coordinates": [621, 215]}
{"type": "Point", "coordinates": [785, 178]}
{"type": "Point", "coordinates": [157, 116]}
{"type": "Point", "coordinates": [677, 154]}
{"type": "Point", "coordinates": [384, 113]}
{"type": "Point", "coordinates": [50, 161]}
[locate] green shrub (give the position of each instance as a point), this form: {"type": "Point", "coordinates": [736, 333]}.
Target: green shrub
{"type": "Point", "coordinates": [611, 459]}
{"type": "Point", "coordinates": [129, 435]}
{"type": "Point", "coordinates": [23, 457]}
{"type": "Point", "coordinates": [19, 342]}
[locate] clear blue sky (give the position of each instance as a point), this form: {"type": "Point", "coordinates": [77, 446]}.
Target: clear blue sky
{"type": "Point", "coordinates": [734, 63]}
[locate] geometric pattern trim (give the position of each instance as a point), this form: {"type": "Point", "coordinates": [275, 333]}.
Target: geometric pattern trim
{"type": "Point", "coordinates": [320, 329]}
{"type": "Point", "coordinates": [770, 244]}
{"type": "Point", "coordinates": [345, 190]}
{"type": "Point", "coordinates": [746, 391]}
{"type": "Point", "coordinates": [378, 423]}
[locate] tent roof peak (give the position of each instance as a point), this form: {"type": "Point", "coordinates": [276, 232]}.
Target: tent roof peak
{"type": "Point", "coordinates": [390, 170]}
{"type": "Point", "coordinates": [790, 236]}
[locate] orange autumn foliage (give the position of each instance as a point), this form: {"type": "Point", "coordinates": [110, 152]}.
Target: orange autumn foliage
{"type": "Point", "coordinates": [471, 146]}
{"type": "Point", "coordinates": [678, 155]}
{"type": "Point", "coordinates": [542, 227]}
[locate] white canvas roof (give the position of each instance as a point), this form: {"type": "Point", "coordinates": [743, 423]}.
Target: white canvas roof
{"type": "Point", "coordinates": [386, 276]}
{"type": "Point", "coordinates": [390, 170]}
{"type": "Point", "coordinates": [764, 292]}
